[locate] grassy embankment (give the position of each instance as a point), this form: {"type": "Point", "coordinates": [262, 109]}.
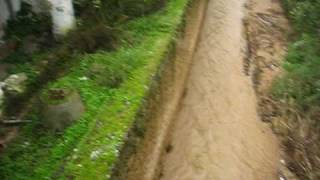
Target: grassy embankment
{"type": "Point", "coordinates": [89, 148]}
{"type": "Point", "coordinates": [299, 88]}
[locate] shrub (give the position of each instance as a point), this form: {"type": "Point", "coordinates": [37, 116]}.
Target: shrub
{"type": "Point", "coordinates": [304, 14]}
{"type": "Point", "coordinates": [111, 10]}
{"type": "Point", "coordinates": [302, 78]}
{"type": "Point", "coordinates": [110, 76]}
{"type": "Point", "coordinates": [91, 39]}
{"type": "Point", "coordinates": [27, 22]}
{"type": "Point", "coordinates": [139, 7]}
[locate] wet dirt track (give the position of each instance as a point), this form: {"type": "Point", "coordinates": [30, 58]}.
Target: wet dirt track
{"type": "Point", "coordinates": [217, 133]}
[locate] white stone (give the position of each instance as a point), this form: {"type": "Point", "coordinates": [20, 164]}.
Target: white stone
{"type": "Point", "coordinates": [95, 154]}
{"type": "Point", "coordinates": [84, 78]}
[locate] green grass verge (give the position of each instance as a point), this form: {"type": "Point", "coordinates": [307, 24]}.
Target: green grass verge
{"type": "Point", "coordinates": [110, 112]}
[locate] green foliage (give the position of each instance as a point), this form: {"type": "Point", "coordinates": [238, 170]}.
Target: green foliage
{"type": "Point", "coordinates": [111, 75]}
{"type": "Point", "coordinates": [111, 10]}
{"type": "Point", "coordinates": [139, 7]}
{"type": "Point", "coordinates": [90, 39]}
{"type": "Point", "coordinates": [18, 57]}
{"type": "Point", "coordinates": [305, 15]}
{"type": "Point", "coordinates": [27, 22]}
{"type": "Point", "coordinates": [302, 79]}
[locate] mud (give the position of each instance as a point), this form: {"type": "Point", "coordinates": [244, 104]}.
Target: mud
{"type": "Point", "coordinates": [204, 120]}
{"type": "Point", "coordinates": [218, 134]}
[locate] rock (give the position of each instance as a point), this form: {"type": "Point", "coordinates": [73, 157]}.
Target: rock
{"type": "Point", "coordinates": [84, 78]}
{"type": "Point", "coordinates": [61, 108]}
{"type": "Point", "coordinates": [15, 84]}
{"type": "Point", "coordinates": [95, 154]}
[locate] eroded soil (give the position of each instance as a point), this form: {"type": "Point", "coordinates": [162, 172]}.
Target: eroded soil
{"type": "Point", "coordinates": [267, 29]}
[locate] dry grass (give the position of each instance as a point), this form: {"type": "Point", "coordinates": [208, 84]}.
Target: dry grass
{"type": "Point", "coordinates": [299, 133]}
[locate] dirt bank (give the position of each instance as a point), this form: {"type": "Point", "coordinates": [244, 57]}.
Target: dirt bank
{"type": "Point", "coordinates": [140, 157]}
{"type": "Point", "coordinates": [267, 29]}
{"type": "Point", "coordinates": [217, 133]}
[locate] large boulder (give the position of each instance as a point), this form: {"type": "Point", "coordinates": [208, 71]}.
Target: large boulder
{"type": "Point", "coordinates": [60, 108]}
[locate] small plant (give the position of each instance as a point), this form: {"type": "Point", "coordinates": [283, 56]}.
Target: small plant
{"type": "Point", "coordinates": [304, 14]}
{"type": "Point", "coordinates": [109, 11]}
{"type": "Point", "coordinates": [91, 39]}
{"type": "Point", "coordinates": [302, 78]}
{"type": "Point", "coordinates": [108, 75]}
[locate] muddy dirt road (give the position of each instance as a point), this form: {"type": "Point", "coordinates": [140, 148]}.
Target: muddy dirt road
{"type": "Point", "coordinates": [217, 133]}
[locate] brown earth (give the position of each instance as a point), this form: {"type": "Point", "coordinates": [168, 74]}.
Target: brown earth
{"type": "Point", "coordinates": [204, 119]}
{"type": "Point", "coordinates": [209, 126]}
{"type": "Point", "coordinates": [217, 133]}
{"type": "Point", "coordinates": [267, 31]}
